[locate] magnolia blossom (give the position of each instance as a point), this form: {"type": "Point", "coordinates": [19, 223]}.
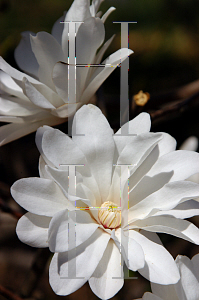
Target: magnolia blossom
{"type": "Point", "coordinates": [40, 96]}
{"type": "Point", "coordinates": [186, 289]}
{"type": "Point", "coordinates": [128, 187]}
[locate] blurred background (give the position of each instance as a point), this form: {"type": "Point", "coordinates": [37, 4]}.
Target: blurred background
{"type": "Point", "coordinates": [165, 64]}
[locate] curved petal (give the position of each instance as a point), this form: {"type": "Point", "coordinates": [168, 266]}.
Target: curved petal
{"type": "Point", "coordinates": [58, 147]}
{"type": "Point", "coordinates": [148, 185]}
{"type": "Point", "coordinates": [40, 196]}
{"type": "Point", "coordinates": [33, 230]}
{"type": "Point", "coordinates": [107, 13]}
{"type": "Point", "coordinates": [11, 132]}
{"type": "Point", "coordinates": [24, 55]}
{"type": "Point", "coordinates": [35, 96]}
{"type": "Point", "coordinates": [47, 52]}
{"type": "Point", "coordinates": [173, 161]}
{"type": "Point", "coordinates": [107, 278]}
{"type": "Point", "coordinates": [166, 198]}
{"type": "Point", "coordinates": [64, 278]}
{"type": "Point", "coordinates": [183, 210]}
{"type": "Point", "coordinates": [12, 106]}
{"type": "Point", "coordinates": [18, 76]}
{"type": "Point", "coordinates": [131, 250]}
{"type": "Point", "coordinates": [138, 149]}
{"type": "Point", "coordinates": [80, 222]}
{"type": "Point", "coordinates": [167, 144]}
{"type": "Point", "coordinates": [159, 266]}
{"type": "Point", "coordinates": [143, 168]}
{"type": "Point", "coordinates": [89, 38]}
{"type": "Point", "coordinates": [100, 75]}
{"type": "Point", "coordinates": [195, 262]}
{"type": "Point", "coordinates": [189, 283]}
{"type": "Point", "coordinates": [79, 12]}
{"type": "Point", "coordinates": [166, 224]}
{"type": "Point", "coordinates": [140, 124]}
{"type": "Point", "coordinates": [96, 143]}
{"type": "Point", "coordinates": [8, 85]}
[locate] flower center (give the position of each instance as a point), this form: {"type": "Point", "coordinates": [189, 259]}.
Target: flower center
{"type": "Point", "coordinates": [109, 215]}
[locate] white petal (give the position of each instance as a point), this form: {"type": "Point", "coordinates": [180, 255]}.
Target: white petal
{"type": "Point", "coordinates": [143, 169]}
{"type": "Point", "coordinates": [131, 250]}
{"type": "Point", "coordinates": [195, 262]}
{"type": "Point", "coordinates": [66, 110]}
{"type": "Point", "coordinates": [35, 96]}
{"type": "Point", "coordinates": [8, 85]}
{"type": "Point", "coordinates": [183, 210]}
{"type": "Point", "coordinates": [166, 198]}
{"type": "Point", "coordinates": [101, 52]}
{"type": "Point", "coordinates": [40, 196]}
{"type": "Point", "coordinates": [12, 106]}
{"type": "Point", "coordinates": [138, 149]}
{"type": "Point", "coordinates": [107, 279]}
{"type": "Point", "coordinates": [167, 144]}
{"type": "Point", "coordinates": [189, 284]}
{"type": "Point", "coordinates": [173, 161]}
{"type": "Point", "coordinates": [18, 76]}
{"type": "Point", "coordinates": [14, 73]}
{"type": "Point", "coordinates": [80, 222]}
{"type": "Point", "coordinates": [159, 266]}
{"type": "Point", "coordinates": [60, 79]}
{"type": "Point", "coordinates": [96, 143]}
{"type": "Point", "coordinates": [85, 259]}
{"type": "Point", "coordinates": [11, 132]}
{"type": "Point", "coordinates": [57, 147]}
{"type": "Point", "coordinates": [165, 292]}
{"type": "Point", "coordinates": [147, 186]}
{"type": "Point", "coordinates": [177, 227]}
{"type": "Point", "coordinates": [190, 144]}
{"type": "Point", "coordinates": [47, 52]}
{"type": "Point", "coordinates": [100, 75]}
{"type": "Point", "coordinates": [89, 38]}
{"type": "Point", "coordinates": [33, 230]}
{"type": "Point", "coordinates": [24, 55]}
{"type": "Point", "coordinates": [140, 124]}
{"type": "Point", "coordinates": [61, 82]}
{"type": "Point", "coordinates": [42, 169]}
{"type": "Point", "coordinates": [79, 11]}
{"type": "Point", "coordinates": [107, 13]}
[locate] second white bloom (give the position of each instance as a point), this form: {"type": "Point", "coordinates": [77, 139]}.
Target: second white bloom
{"type": "Point", "coordinates": [105, 223]}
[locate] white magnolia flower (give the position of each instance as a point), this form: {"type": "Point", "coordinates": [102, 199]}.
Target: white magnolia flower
{"type": "Point", "coordinates": [41, 97]}
{"type": "Point", "coordinates": [187, 287]}
{"type": "Point", "coordinates": [104, 218]}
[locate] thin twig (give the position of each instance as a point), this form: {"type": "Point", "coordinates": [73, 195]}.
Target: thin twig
{"type": "Point", "coordinates": [7, 209]}
{"type": "Point", "coordinates": [176, 94]}
{"type": "Point", "coordinates": [8, 294]}
{"type": "Point", "coordinates": [172, 108]}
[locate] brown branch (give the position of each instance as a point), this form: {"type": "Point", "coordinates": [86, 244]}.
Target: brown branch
{"type": "Point", "coordinates": [7, 209]}
{"type": "Point", "coordinates": [173, 108]}
{"type": "Point", "coordinates": [182, 92]}
{"type": "Point", "coordinates": [34, 275]}
{"type": "Point", "coordinates": [8, 294]}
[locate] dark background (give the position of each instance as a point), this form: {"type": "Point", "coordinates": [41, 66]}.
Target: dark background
{"type": "Point", "coordinates": [165, 41]}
